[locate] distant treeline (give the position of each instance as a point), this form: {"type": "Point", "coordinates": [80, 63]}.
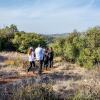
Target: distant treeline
{"type": "Point", "coordinates": [80, 47]}
{"type": "Point", "coordinates": [13, 39]}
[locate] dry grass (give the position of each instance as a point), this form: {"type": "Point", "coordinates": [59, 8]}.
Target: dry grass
{"type": "Point", "coordinates": [70, 80]}
{"type": "Point", "coordinates": [35, 92]}
{"type": "Point", "coordinates": [14, 59]}
{"type": "Point", "coordinates": [58, 59]}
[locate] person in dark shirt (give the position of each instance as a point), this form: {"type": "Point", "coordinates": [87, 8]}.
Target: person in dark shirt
{"type": "Point", "coordinates": [51, 56]}
{"type": "Point", "coordinates": [46, 58]}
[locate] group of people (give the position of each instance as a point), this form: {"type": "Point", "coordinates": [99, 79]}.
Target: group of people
{"type": "Point", "coordinates": [43, 56]}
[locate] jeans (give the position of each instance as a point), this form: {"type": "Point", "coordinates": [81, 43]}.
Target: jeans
{"type": "Point", "coordinates": [51, 63]}
{"type": "Point", "coordinates": [32, 63]}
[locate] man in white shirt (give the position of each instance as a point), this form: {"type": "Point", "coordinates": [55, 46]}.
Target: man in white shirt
{"type": "Point", "coordinates": [39, 57]}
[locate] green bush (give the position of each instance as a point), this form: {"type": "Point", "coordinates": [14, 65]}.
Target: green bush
{"type": "Point", "coordinates": [12, 39]}
{"type": "Point", "coordinates": [22, 41]}
{"type": "Point", "coordinates": [82, 48]}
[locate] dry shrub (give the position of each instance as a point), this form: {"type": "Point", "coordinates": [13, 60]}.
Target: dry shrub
{"type": "Point", "coordinates": [35, 92]}
{"type": "Point", "coordinates": [88, 92]}
{"type": "Point", "coordinates": [9, 62]}
{"type": "Point", "coordinates": [18, 62]}
{"type": "Point", "coordinates": [58, 59]}
{"type": "Point", "coordinates": [25, 64]}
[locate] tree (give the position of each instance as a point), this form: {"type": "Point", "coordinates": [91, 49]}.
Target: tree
{"type": "Point", "coordinates": [82, 48]}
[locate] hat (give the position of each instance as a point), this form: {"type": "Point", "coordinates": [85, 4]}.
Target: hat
{"type": "Point", "coordinates": [31, 48]}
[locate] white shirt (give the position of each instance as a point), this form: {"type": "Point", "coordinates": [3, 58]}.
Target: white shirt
{"type": "Point", "coordinates": [31, 56]}
{"type": "Point", "coordinates": [39, 53]}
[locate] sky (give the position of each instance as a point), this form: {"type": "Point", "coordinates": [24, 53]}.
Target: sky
{"type": "Point", "coordinates": [50, 16]}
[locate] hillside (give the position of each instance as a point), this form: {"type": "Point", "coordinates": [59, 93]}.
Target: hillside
{"type": "Point", "coordinates": [67, 80]}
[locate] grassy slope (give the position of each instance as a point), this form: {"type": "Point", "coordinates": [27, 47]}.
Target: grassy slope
{"type": "Point", "coordinates": [69, 79]}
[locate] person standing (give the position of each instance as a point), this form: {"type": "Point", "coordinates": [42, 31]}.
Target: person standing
{"type": "Point", "coordinates": [31, 58]}
{"type": "Point", "coordinates": [39, 57]}
{"type": "Point", "coordinates": [46, 58]}
{"type": "Point", "coordinates": [51, 56]}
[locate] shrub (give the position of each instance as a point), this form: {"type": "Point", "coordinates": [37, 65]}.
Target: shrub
{"type": "Point", "coordinates": [82, 48]}
{"type": "Point", "coordinates": [35, 92]}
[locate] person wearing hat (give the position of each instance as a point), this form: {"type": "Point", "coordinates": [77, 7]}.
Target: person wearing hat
{"type": "Point", "coordinates": [31, 57]}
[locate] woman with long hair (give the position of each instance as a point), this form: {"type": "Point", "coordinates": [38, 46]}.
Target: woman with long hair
{"type": "Point", "coordinates": [31, 57]}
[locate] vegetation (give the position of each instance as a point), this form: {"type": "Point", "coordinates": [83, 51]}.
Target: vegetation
{"type": "Point", "coordinates": [12, 39]}
{"type": "Point", "coordinates": [46, 92]}
{"type": "Point", "coordinates": [77, 47]}
{"type": "Point", "coordinates": [82, 48]}
{"type": "Point", "coordinates": [35, 92]}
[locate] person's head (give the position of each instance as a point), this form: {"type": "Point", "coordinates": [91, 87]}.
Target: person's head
{"type": "Point", "coordinates": [30, 50]}
{"type": "Point", "coordinates": [47, 49]}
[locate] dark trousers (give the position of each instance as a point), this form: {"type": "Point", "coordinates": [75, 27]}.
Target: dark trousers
{"type": "Point", "coordinates": [46, 64]}
{"type": "Point", "coordinates": [51, 63]}
{"type": "Point", "coordinates": [32, 63]}
{"type": "Point", "coordinates": [40, 66]}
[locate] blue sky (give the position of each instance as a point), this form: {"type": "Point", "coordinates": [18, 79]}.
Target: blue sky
{"type": "Point", "coordinates": [50, 16]}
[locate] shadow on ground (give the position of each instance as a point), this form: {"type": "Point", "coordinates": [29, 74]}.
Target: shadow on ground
{"type": "Point", "coordinates": [2, 59]}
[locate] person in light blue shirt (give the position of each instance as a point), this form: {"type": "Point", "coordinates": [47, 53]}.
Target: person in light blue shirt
{"type": "Point", "coordinates": [39, 57]}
